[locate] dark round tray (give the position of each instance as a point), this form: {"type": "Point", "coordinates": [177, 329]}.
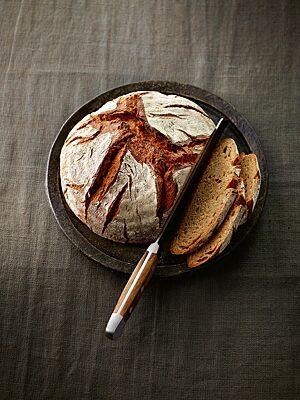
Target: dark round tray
{"type": "Point", "coordinates": [123, 257]}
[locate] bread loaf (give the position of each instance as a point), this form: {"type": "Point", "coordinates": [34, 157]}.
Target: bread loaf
{"type": "Point", "coordinates": [122, 166]}
{"type": "Point", "coordinates": [211, 201]}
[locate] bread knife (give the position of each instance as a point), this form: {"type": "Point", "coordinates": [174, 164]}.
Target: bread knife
{"type": "Point", "coordinates": [145, 267]}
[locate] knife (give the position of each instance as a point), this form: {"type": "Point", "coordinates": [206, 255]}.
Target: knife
{"type": "Point", "coordinates": [145, 267]}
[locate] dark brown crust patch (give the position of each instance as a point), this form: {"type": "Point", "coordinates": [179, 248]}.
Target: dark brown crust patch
{"type": "Point", "coordinates": [233, 183]}
{"type": "Point", "coordinates": [236, 161]}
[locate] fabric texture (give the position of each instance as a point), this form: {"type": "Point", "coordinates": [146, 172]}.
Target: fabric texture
{"type": "Point", "coordinates": [229, 333]}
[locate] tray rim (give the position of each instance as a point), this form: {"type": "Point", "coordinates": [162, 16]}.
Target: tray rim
{"type": "Point", "coordinates": [191, 92]}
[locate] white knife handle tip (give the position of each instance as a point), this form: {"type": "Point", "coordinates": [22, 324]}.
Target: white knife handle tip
{"type": "Point", "coordinates": [115, 325]}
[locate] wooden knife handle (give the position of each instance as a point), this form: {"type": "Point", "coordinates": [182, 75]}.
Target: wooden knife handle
{"type": "Point", "coordinates": [132, 292]}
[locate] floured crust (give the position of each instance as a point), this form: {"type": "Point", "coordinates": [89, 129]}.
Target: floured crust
{"type": "Point", "coordinates": [122, 166]}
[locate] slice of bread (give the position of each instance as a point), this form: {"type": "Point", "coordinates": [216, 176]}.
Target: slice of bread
{"type": "Point", "coordinates": [211, 200]}
{"type": "Point", "coordinates": [221, 238]}
{"type": "Point", "coordinates": [250, 174]}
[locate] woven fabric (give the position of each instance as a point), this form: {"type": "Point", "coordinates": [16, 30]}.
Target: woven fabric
{"type": "Point", "coordinates": [230, 333]}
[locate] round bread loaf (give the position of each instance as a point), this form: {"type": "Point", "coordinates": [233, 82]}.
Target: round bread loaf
{"type": "Point", "coordinates": [122, 166]}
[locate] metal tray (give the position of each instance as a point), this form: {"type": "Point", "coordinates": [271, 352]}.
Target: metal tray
{"type": "Point", "coordinates": [123, 257]}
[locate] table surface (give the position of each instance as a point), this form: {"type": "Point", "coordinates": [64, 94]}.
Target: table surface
{"type": "Point", "coordinates": [229, 333]}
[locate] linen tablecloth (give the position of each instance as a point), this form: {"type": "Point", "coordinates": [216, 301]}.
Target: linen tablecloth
{"type": "Point", "coordinates": [230, 333]}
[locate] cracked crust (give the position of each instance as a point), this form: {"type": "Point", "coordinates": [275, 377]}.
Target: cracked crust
{"type": "Point", "coordinates": [123, 165]}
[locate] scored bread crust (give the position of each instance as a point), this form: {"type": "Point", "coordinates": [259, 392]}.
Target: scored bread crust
{"type": "Point", "coordinates": [221, 238]}
{"type": "Point", "coordinates": [122, 167]}
{"type": "Point", "coordinates": [205, 212]}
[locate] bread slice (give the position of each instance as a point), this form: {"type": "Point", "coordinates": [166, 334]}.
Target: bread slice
{"type": "Point", "coordinates": [211, 200]}
{"type": "Point", "coordinates": [250, 174]}
{"type": "Point", "coordinates": [248, 189]}
{"type": "Point", "coordinates": [221, 238]}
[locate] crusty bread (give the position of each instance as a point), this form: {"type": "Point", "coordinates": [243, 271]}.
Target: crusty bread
{"type": "Point", "coordinates": [211, 200]}
{"type": "Point", "coordinates": [221, 238]}
{"type": "Point", "coordinates": [122, 166]}
{"type": "Point", "coordinates": [251, 176]}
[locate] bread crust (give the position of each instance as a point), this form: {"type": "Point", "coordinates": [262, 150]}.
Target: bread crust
{"type": "Point", "coordinates": [122, 167]}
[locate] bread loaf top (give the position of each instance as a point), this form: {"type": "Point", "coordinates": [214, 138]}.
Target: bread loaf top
{"type": "Point", "coordinates": [122, 166]}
